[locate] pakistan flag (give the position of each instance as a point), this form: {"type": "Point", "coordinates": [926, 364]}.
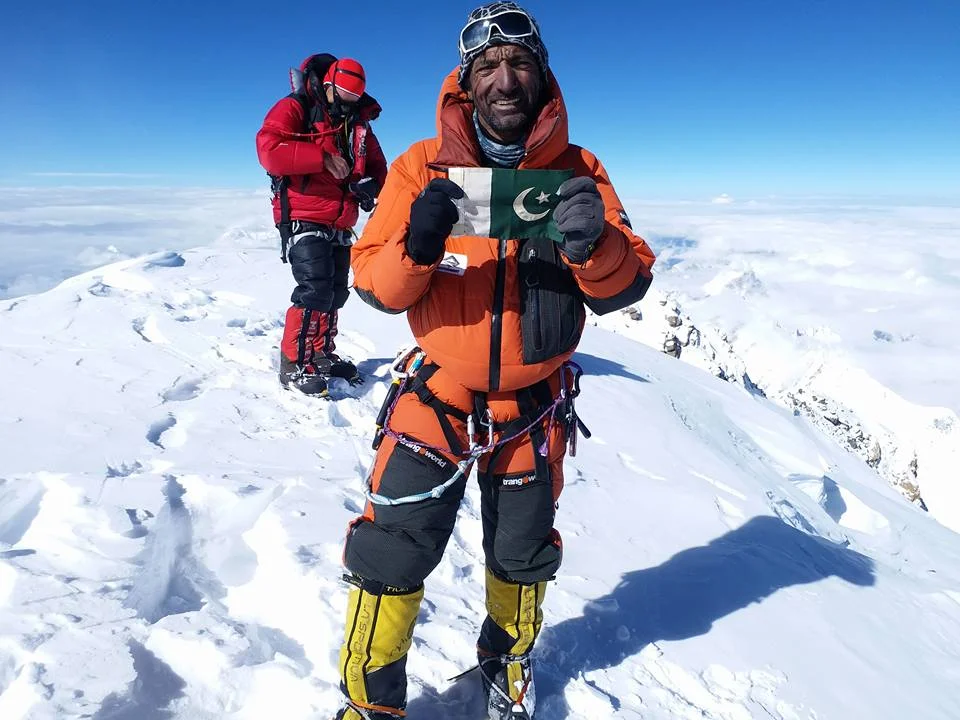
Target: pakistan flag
{"type": "Point", "coordinates": [506, 204]}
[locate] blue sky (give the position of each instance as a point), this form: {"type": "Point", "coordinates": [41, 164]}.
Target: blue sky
{"type": "Point", "coordinates": [679, 98]}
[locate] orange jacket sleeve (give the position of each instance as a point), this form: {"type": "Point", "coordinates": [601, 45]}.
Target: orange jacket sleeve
{"type": "Point", "coordinates": [384, 275]}
{"type": "Point", "coordinates": [619, 271]}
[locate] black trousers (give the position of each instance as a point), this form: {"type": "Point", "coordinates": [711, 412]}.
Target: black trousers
{"type": "Point", "coordinates": [320, 261]}
{"type": "Point", "coordinates": [400, 545]}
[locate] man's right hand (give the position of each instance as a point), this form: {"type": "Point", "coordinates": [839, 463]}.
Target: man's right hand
{"type": "Point", "coordinates": [432, 217]}
{"type": "Point", "coordinates": [336, 166]}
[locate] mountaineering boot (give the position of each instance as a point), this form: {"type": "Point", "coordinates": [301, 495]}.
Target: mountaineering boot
{"type": "Point", "coordinates": [353, 713]}
{"type": "Point", "coordinates": [307, 338]}
{"type": "Point", "coordinates": [508, 684]}
{"type": "Point", "coordinates": [332, 365]}
{"type": "Point", "coordinates": [303, 378]}
{"type": "Point", "coordinates": [514, 618]}
{"type": "Point", "coordinates": [308, 346]}
{"type": "Point", "coordinates": [373, 657]}
{"type": "Point", "coordinates": [324, 358]}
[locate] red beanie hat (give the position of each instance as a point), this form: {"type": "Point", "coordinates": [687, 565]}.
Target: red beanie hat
{"type": "Point", "coordinates": [346, 75]}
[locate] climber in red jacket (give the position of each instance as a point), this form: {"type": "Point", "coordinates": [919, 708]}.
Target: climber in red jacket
{"type": "Point", "coordinates": [326, 165]}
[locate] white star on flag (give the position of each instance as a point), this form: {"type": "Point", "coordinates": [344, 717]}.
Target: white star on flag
{"type": "Point", "coordinates": [542, 197]}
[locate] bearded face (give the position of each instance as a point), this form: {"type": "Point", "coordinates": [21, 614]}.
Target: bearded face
{"type": "Point", "coordinates": [505, 86]}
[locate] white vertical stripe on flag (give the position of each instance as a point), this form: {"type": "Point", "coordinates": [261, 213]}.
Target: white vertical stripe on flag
{"type": "Point", "coordinates": [474, 208]}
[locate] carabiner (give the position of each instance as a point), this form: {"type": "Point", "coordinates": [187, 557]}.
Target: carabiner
{"type": "Point", "coordinates": [487, 421]}
{"type": "Point", "coordinates": [399, 369]}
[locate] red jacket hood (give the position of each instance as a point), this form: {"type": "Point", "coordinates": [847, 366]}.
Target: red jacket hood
{"type": "Point", "coordinates": [368, 108]}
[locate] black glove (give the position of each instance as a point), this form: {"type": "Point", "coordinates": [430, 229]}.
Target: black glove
{"type": "Point", "coordinates": [579, 216]}
{"type": "Point", "coordinates": [432, 217]}
{"type": "Point", "coordinates": [366, 191]}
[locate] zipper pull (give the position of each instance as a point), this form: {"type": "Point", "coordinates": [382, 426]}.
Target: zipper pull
{"type": "Point", "coordinates": [533, 278]}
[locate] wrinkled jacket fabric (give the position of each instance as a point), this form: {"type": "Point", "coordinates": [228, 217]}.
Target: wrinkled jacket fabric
{"type": "Point", "coordinates": [315, 195]}
{"type": "Point", "coordinates": [454, 317]}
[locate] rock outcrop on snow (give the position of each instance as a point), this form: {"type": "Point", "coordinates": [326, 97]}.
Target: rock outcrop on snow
{"type": "Point", "coordinates": [670, 329]}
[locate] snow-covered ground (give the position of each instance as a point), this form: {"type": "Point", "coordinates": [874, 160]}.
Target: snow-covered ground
{"type": "Point", "coordinates": [171, 521]}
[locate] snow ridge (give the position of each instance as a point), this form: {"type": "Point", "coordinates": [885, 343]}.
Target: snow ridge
{"type": "Point", "coordinates": [818, 394]}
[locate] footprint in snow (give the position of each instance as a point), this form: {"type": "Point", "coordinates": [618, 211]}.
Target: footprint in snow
{"type": "Point", "coordinates": [257, 328]}
{"type": "Point", "coordinates": [148, 330]}
{"type": "Point", "coordinates": [182, 389]}
{"type": "Point", "coordinates": [137, 518]}
{"type": "Point", "coordinates": [157, 429]}
{"type": "Point", "coordinates": [123, 469]}
{"type": "Point", "coordinates": [189, 306]}
{"type": "Point", "coordinates": [337, 417]}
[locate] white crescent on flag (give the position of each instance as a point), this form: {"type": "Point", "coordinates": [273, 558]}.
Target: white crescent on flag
{"type": "Point", "coordinates": [522, 212]}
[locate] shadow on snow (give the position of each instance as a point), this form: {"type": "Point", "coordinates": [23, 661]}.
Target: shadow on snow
{"type": "Point", "coordinates": [677, 600]}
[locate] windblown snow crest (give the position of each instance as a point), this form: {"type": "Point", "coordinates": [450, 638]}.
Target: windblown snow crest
{"type": "Point", "coordinates": [170, 579]}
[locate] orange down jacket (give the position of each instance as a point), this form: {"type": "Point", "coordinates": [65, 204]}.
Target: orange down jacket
{"type": "Point", "coordinates": [487, 335]}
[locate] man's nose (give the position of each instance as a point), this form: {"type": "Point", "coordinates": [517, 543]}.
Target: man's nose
{"type": "Point", "coordinates": [505, 78]}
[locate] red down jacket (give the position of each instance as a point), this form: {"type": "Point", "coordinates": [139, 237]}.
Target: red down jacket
{"type": "Point", "coordinates": [315, 195]}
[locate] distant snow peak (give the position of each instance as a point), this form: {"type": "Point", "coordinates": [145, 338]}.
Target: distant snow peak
{"type": "Point", "coordinates": [743, 282]}
{"type": "Point", "coordinates": [888, 337]}
{"type": "Point", "coordinates": [820, 333]}
{"type": "Point", "coordinates": [722, 199]}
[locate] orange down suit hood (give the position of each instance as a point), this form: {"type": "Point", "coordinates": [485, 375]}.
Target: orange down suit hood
{"type": "Point", "coordinates": [478, 338]}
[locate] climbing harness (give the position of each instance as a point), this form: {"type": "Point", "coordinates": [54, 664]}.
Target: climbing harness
{"type": "Point", "coordinates": [410, 375]}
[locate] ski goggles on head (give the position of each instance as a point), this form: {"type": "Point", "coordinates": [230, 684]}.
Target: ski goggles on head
{"type": "Point", "coordinates": [510, 24]}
